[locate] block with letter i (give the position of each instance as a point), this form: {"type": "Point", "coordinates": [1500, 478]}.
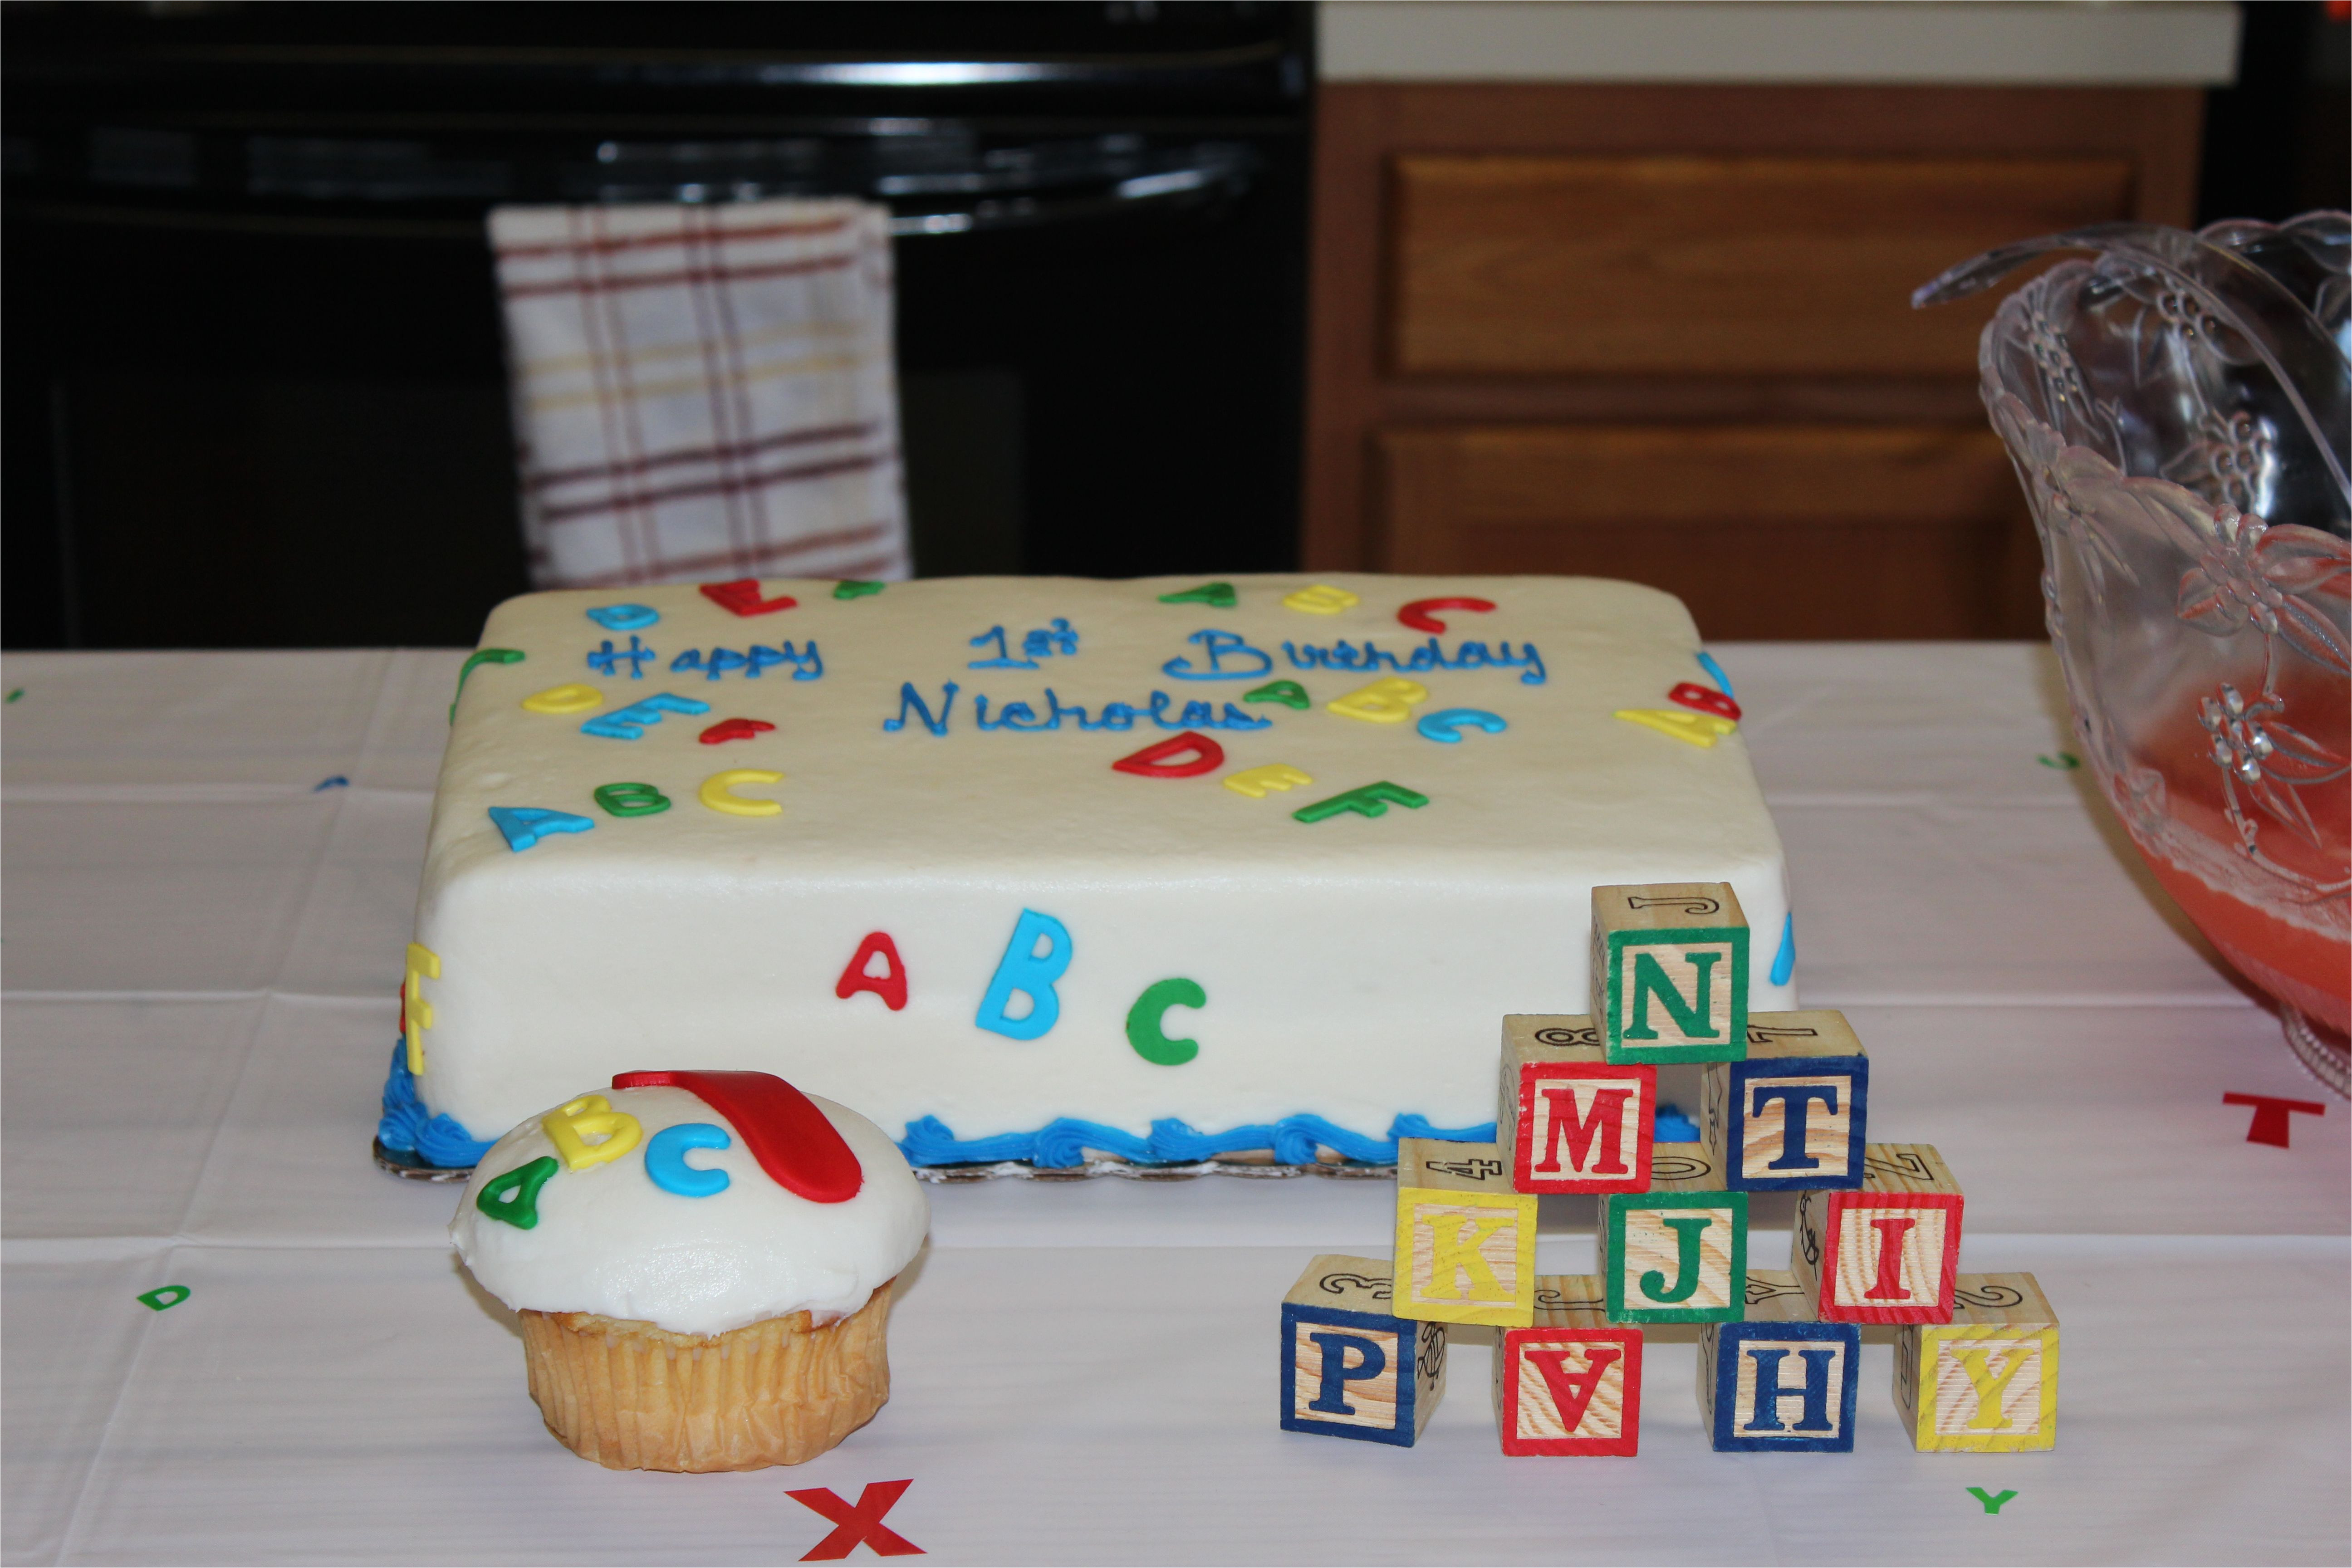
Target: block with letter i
{"type": "Point", "coordinates": [1571, 1383]}
{"type": "Point", "coordinates": [1792, 1116]}
{"type": "Point", "coordinates": [1465, 1241]}
{"type": "Point", "coordinates": [1676, 1253]}
{"type": "Point", "coordinates": [1778, 1380]}
{"type": "Point", "coordinates": [1670, 972]}
{"type": "Point", "coordinates": [1570, 1120]}
{"type": "Point", "coordinates": [1351, 1368]}
{"type": "Point", "coordinates": [1986, 1382]}
{"type": "Point", "coordinates": [1888, 1252]}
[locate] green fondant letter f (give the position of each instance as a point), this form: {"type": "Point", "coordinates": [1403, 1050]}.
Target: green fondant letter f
{"type": "Point", "coordinates": [1650, 980]}
{"type": "Point", "coordinates": [1687, 1230]}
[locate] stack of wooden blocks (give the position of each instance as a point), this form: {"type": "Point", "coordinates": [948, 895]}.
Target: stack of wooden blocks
{"type": "Point", "coordinates": [1784, 1103]}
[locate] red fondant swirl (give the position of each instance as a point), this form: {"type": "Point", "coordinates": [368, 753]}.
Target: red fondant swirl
{"type": "Point", "coordinates": [799, 1150]}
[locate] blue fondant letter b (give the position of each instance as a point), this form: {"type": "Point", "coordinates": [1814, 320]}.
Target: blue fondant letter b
{"type": "Point", "coordinates": [1027, 969]}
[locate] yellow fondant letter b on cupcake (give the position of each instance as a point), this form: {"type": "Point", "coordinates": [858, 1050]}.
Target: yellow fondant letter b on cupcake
{"type": "Point", "coordinates": [569, 1130]}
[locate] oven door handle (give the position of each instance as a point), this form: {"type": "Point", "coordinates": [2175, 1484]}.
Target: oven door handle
{"type": "Point", "coordinates": [1170, 189]}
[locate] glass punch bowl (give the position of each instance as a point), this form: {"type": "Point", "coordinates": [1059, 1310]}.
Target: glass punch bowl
{"type": "Point", "coordinates": [2177, 407]}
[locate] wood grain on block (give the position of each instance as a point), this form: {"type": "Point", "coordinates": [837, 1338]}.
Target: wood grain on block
{"type": "Point", "coordinates": [1987, 1381]}
{"type": "Point", "coordinates": [1888, 1253]}
{"type": "Point", "coordinates": [1356, 1370]}
{"type": "Point", "coordinates": [1773, 1295]}
{"type": "Point", "coordinates": [1346, 1283]}
{"type": "Point", "coordinates": [1669, 972]}
{"type": "Point", "coordinates": [1570, 1301]}
{"type": "Point", "coordinates": [1443, 1165]}
{"type": "Point", "coordinates": [1674, 1256]}
{"type": "Point", "coordinates": [1766, 1386]}
{"type": "Point", "coordinates": [1570, 1120]}
{"type": "Point", "coordinates": [1570, 1384]}
{"type": "Point", "coordinates": [1795, 1112]}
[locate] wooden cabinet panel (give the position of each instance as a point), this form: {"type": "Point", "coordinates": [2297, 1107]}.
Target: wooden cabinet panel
{"type": "Point", "coordinates": [1764, 531]}
{"type": "Point", "coordinates": [1710, 266]}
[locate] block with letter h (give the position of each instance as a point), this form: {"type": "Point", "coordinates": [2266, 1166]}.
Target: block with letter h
{"type": "Point", "coordinates": [1465, 1239]}
{"type": "Point", "coordinates": [1987, 1381]}
{"type": "Point", "coordinates": [1570, 1120]}
{"type": "Point", "coordinates": [1887, 1253]}
{"type": "Point", "coordinates": [1778, 1380]}
{"type": "Point", "coordinates": [1792, 1115]}
{"type": "Point", "coordinates": [1676, 1253]}
{"type": "Point", "coordinates": [1670, 972]}
{"type": "Point", "coordinates": [1350, 1367]}
{"type": "Point", "coordinates": [1571, 1383]}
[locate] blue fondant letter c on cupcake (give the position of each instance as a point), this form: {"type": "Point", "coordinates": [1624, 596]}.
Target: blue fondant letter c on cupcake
{"type": "Point", "coordinates": [1027, 969]}
{"type": "Point", "coordinates": [666, 1160]}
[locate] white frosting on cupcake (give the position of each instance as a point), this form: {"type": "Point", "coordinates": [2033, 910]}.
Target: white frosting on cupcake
{"type": "Point", "coordinates": [609, 1239]}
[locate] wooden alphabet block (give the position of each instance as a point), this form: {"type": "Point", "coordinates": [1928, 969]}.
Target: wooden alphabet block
{"type": "Point", "coordinates": [1676, 1253]}
{"type": "Point", "coordinates": [1988, 1380]}
{"type": "Point", "coordinates": [1792, 1116]}
{"type": "Point", "coordinates": [1778, 1380]}
{"type": "Point", "coordinates": [1888, 1252]}
{"type": "Point", "coordinates": [1571, 1383]}
{"type": "Point", "coordinates": [1465, 1242]}
{"type": "Point", "coordinates": [1570, 1120]}
{"type": "Point", "coordinates": [1670, 972]}
{"type": "Point", "coordinates": [1350, 1367]}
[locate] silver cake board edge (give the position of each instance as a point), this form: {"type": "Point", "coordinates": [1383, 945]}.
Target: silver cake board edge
{"type": "Point", "coordinates": [416, 1170]}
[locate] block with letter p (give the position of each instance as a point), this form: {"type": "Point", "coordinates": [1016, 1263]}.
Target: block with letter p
{"type": "Point", "coordinates": [1570, 1120]}
{"type": "Point", "coordinates": [1465, 1241]}
{"type": "Point", "coordinates": [1676, 1253]}
{"type": "Point", "coordinates": [1570, 1384]}
{"type": "Point", "coordinates": [1792, 1115]}
{"type": "Point", "coordinates": [1350, 1367]}
{"type": "Point", "coordinates": [1670, 972]}
{"type": "Point", "coordinates": [1778, 1380]}
{"type": "Point", "coordinates": [1987, 1381]}
{"type": "Point", "coordinates": [1888, 1253]}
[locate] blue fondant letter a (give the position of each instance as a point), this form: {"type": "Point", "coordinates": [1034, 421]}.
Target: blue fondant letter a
{"type": "Point", "coordinates": [1030, 972]}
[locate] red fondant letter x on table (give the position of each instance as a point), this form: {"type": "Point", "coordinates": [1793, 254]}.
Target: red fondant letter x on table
{"type": "Point", "coordinates": [863, 1522]}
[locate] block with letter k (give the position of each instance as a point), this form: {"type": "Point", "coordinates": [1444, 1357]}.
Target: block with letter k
{"type": "Point", "coordinates": [1676, 1253]}
{"type": "Point", "coordinates": [1465, 1239]}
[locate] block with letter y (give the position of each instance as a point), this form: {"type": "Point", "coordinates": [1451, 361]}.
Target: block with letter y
{"type": "Point", "coordinates": [1350, 1367]}
{"type": "Point", "coordinates": [1776, 1380]}
{"type": "Point", "coordinates": [1571, 1382]}
{"type": "Point", "coordinates": [1987, 1381]}
{"type": "Point", "coordinates": [1465, 1241]}
{"type": "Point", "coordinates": [1676, 1253]}
{"type": "Point", "coordinates": [1670, 972]}
{"type": "Point", "coordinates": [1792, 1115]}
{"type": "Point", "coordinates": [1887, 1253]}
{"type": "Point", "coordinates": [1570, 1120]}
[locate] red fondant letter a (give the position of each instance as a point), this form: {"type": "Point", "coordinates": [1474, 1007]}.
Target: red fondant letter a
{"type": "Point", "coordinates": [890, 984]}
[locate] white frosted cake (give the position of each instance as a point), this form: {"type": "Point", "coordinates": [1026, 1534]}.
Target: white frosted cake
{"type": "Point", "coordinates": [1021, 868]}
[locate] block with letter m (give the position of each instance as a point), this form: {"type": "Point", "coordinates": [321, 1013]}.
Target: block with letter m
{"type": "Point", "coordinates": [1350, 1367]}
{"type": "Point", "coordinates": [1571, 1121]}
{"type": "Point", "coordinates": [1669, 972]}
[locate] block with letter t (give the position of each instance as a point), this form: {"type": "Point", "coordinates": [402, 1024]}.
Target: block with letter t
{"type": "Point", "coordinates": [1570, 1120]}
{"type": "Point", "coordinates": [1465, 1241]}
{"type": "Point", "coordinates": [1988, 1379]}
{"type": "Point", "coordinates": [1676, 1253]}
{"type": "Point", "coordinates": [1571, 1382]}
{"type": "Point", "coordinates": [1887, 1253]}
{"type": "Point", "coordinates": [1670, 972]}
{"type": "Point", "coordinates": [1350, 1367]}
{"type": "Point", "coordinates": [1776, 1380]}
{"type": "Point", "coordinates": [1792, 1116]}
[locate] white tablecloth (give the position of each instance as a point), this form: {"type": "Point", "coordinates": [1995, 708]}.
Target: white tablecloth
{"type": "Point", "coordinates": [200, 950]}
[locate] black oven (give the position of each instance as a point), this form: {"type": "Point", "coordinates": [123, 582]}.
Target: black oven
{"type": "Point", "coordinates": [254, 387]}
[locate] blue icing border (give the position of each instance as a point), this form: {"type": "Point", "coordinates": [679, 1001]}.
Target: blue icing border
{"type": "Point", "coordinates": [1060, 1144]}
{"type": "Point", "coordinates": [408, 1130]}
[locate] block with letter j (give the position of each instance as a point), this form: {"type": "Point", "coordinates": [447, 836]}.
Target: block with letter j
{"type": "Point", "coordinates": [1776, 1380]}
{"type": "Point", "coordinates": [1676, 1253]}
{"type": "Point", "coordinates": [1350, 1367]}
{"type": "Point", "coordinates": [1465, 1240]}
{"type": "Point", "coordinates": [1888, 1252]}
{"type": "Point", "coordinates": [1792, 1116]}
{"type": "Point", "coordinates": [1570, 1120]}
{"type": "Point", "coordinates": [1670, 972]}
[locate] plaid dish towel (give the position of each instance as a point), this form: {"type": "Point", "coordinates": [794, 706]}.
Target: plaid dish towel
{"type": "Point", "coordinates": [703, 392]}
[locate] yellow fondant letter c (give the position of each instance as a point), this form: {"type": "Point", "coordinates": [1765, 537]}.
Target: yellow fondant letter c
{"type": "Point", "coordinates": [718, 792]}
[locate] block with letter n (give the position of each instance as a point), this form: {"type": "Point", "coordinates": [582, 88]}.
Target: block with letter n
{"type": "Point", "coordinates": [1350, 1367]}
{"type": "Point", "coordinates": [1676, 1253]}
{"type": "Point", "coordinates": [1570, 1120]}
{"type": "Point", "coordinates": [1986, 1382]}
{"type": "Point", "coordinates": [1465, 1241]}
{"type": "Point", "coordinates": [1670, 972]}
{"type": "Point", "coordinates": [1571, 1382]}
{"type": "Point", "coordinates": [1887, 1253]}
{"type": "Point", "coordinates": [1776, 1380]}
{"type": "Point", "coordinates": [1792, 1115]}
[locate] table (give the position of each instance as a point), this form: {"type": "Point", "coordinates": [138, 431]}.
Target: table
{"type": "Point", "coordinates": [211, 865]}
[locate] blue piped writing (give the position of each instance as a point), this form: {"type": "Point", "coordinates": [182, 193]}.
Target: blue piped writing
{"type": "Point", "coordinates": [1430, 655]}
{"type": "Point", "coordinates": [908, 697]}
{"type": "Point", "coordinates": [1227, 658]}
{"type": "Point", "coordinates": [1040, 642]}
{"type": "Point", "coordinates": [807, 662]}
{"type": "Point", "coordinates": [1061, 1145]}
{"type": "Point", "coordinates": [606, 660]}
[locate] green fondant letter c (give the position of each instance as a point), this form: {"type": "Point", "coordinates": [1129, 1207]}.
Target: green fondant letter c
{"type": "Point", "coordinates": [1143, 1020]}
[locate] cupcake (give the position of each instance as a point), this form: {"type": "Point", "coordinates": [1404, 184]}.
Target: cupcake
{"type": "Point", "coordinates": [702, 1262]}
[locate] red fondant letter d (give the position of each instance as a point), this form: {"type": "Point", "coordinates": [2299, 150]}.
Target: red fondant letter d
{"type": "Point", "coordinates": [890, 984]}
{"type": "Point", "coordinates": [1152, 761]}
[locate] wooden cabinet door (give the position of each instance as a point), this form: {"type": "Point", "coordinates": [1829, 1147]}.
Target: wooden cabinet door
{"type": "Point", "coordinates": [1806, 531]}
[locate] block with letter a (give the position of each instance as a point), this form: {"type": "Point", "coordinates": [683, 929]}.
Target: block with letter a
{"type": "Point", "coordinates": [1465, 1240]}
{"type": "Point", "coordinates": [1570, 1120]}
{"type": "Point", "coordinates": [1674, 1254]}
{"type": "Point", "coordinates": [1778, 1380]}
{"type": "Point", "coordinates": [1670, 972]}
{"type": "Point", "coordinates": [1987, 1381]}
{"type": "Point", "coordinates": [1571, 1382]}
{"type": "Point", "coordinates": [1792, 1115]}
{"type": "Point", "coordinates": [1888, 1253]}
{"type": "Point", "coordinates": [1350, 1367]}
